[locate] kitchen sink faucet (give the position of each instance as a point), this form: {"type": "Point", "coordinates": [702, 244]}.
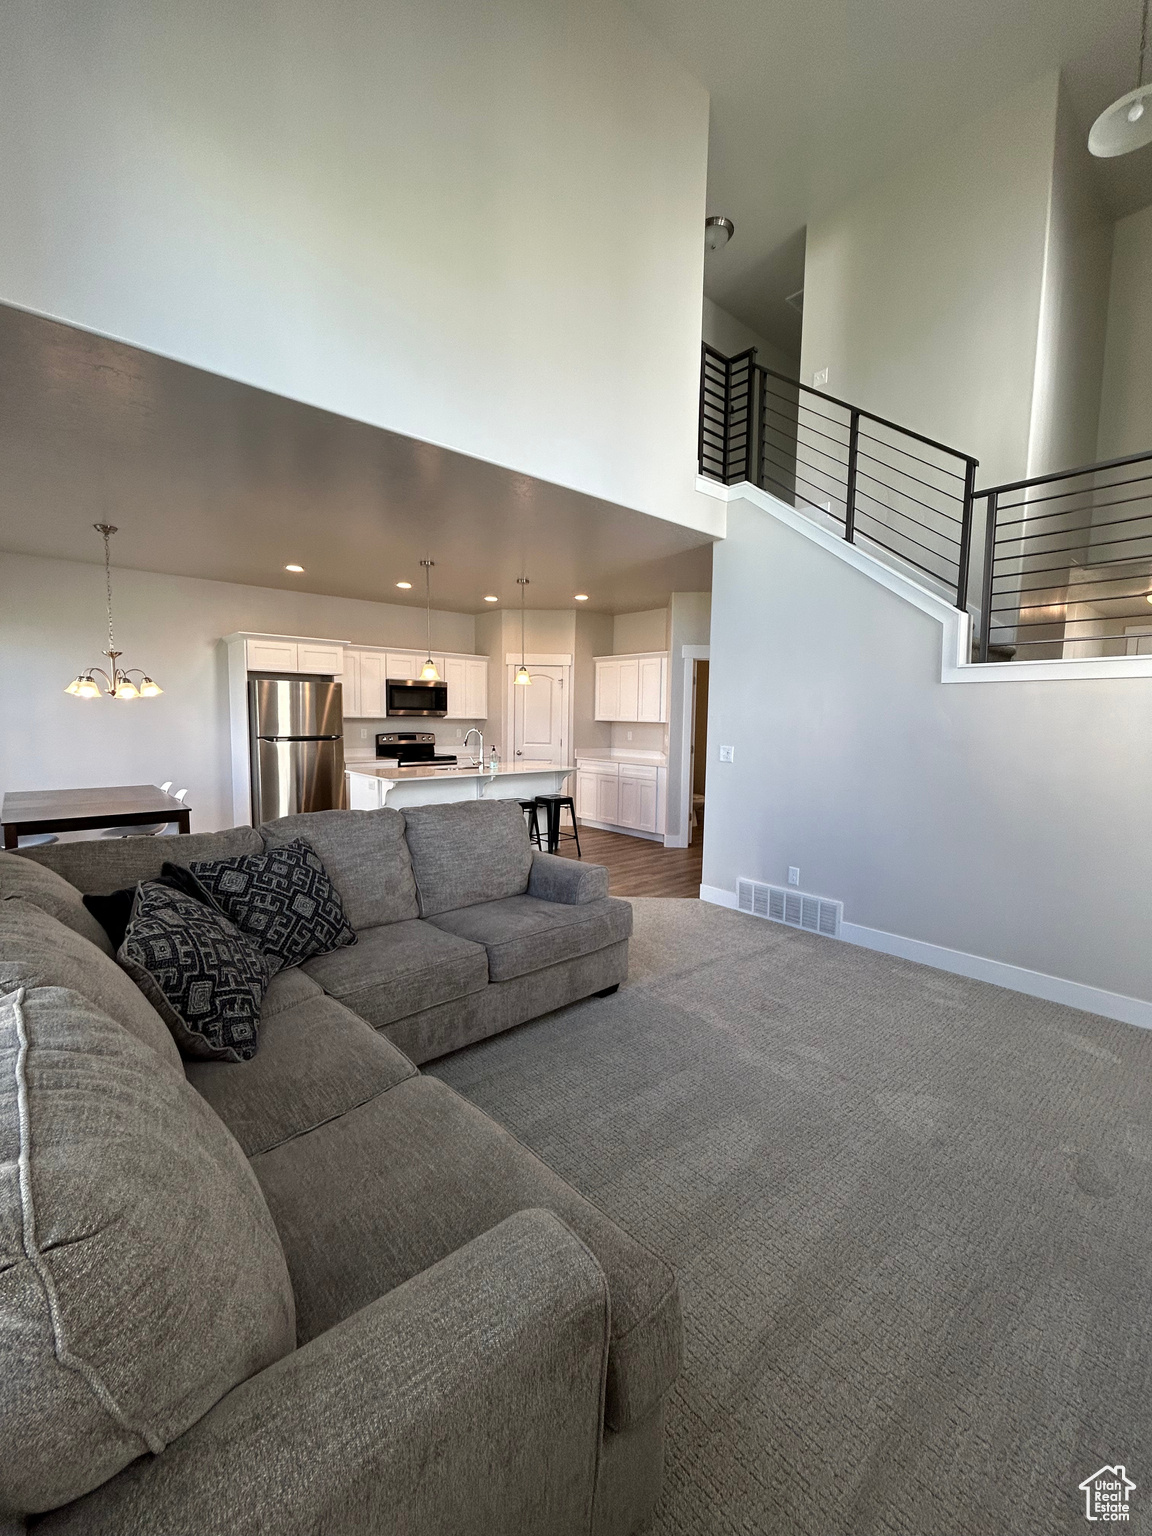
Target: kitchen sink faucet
{"type": "Point", "coordinates": [475, 731]}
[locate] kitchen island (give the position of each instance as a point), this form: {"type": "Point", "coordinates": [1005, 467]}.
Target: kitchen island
{"type": "Point", "coordinates": [372, 784]}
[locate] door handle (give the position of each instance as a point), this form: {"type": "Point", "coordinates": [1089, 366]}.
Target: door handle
{"type": "Point", "coordinates": [519, 753]}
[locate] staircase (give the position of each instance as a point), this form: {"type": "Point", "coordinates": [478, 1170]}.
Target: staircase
{"type": "Point", "coordinates": [1062, 563]}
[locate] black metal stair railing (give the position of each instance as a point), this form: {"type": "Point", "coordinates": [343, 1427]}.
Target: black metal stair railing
{"type": "Point", "coordinates": [1068, 563]}
{"type": "Point", "coordinates": [881, 484]}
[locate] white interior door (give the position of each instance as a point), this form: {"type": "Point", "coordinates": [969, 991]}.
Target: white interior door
{"type": "Point", "coordinates": [540, 716]}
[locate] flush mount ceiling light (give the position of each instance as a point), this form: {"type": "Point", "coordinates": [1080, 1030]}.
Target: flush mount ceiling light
{"type": "Point", "coordinates": [405, 586]}
{"type": "Point", "coordinates": [428, 672]}
{"type": "Point", "coordinates": [581, 597]}
{"type": "Point", "coordinates": [297, 570]}
{"type": "Point", "coordinates": [718, 232]}
{"type": "Point", "coordinates": [118, 683]}
{"type": "Point", "coordinates": [491, 599]}
{"type": "Point", "coordinates": [523, 676]}
{"type": "Point", "coordinates": [1127, 124]}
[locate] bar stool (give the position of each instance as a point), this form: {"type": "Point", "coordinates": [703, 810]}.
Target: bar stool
{"type": "Point", "coordinates": [529, 809]}
{"type": "Point", "coordinates": [553, 805]}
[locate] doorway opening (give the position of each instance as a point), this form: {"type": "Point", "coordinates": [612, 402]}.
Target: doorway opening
{"type": "Point", "coordinates": [699, 751]}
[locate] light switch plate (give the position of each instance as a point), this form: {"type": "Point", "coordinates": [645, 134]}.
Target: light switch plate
{"type": "Point", "coordinates": [727, 754]}
{"type": "Point", "coordinates": [793, 875]}
{"type": "Point", "coordinates": [820, 379]}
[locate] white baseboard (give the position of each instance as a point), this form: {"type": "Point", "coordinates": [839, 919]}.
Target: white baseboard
{"type": "Point", "coordinates": [610, 826]}
{"type": "Point", "coordinates": [1017, 978]}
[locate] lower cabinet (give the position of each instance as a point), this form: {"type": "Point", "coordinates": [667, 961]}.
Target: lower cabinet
{"type": "Point", "coordinates": [627, 795]}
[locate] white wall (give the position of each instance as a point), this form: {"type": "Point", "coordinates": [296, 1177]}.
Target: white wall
{"type": "Point", "coordinates": [922, 296]}
{"type": "Point", "coordinates": [729, 335]}
{"type": "Point", "coordinates": [1008, 820]}
{"type": "Point", "coordinates": [1126, 394]}
{"type": "Point", "coordinates": [593, 638]}
{"type": "Point", "coordinates": [644, 631]}
{"type": "Point", "coordinates": [1073, 308]}
{"type": "Point", "coordinates": [51, 618]}
{"type": "Point", "coordinates": [477, 222]}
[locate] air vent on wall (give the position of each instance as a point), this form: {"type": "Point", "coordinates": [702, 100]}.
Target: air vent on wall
{"type": "Point", "coordinates": [814, 914]}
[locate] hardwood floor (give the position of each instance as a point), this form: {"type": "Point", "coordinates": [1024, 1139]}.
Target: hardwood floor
{"type": "Point", "coordinates": [637, 867]}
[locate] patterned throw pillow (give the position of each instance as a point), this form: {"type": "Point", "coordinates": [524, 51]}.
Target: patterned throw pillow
{"type": "Point", "coordinates": [202, 975]}
{"type": "Point", "coordinates": [283, 900]}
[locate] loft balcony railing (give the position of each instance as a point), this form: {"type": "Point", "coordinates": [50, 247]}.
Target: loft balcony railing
{"type": "Point", "coordinates": [878, 483]}
{"type": "Point", "coordinates": [1068, 563]}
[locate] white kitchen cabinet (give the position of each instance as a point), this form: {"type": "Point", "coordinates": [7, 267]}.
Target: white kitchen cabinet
{"type": "Point", "coordinates": [625, 795]}
{"type": "Point", "coordinates": [272, 655]}
{"type": "Point", "coordinates": [295, 656]}
{"type": "Point", "coordinates": [650, 689]}
{"type": "Point", "coordinates": [631, 687]}
{"type": "Point", "coordinates": [467, 679]}
{"type": "Point", "coordinates": [404, 665]}
{"type": "Point", "coordinates": [477, 689]}
{"type": "Point", "coordinates": [351, 681]}
{"type": "Point", "coordinates": [372, 703]}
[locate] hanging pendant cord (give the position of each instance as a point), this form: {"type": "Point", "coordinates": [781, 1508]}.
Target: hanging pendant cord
{"type": "Point", "coordinates": [1143, 46]}
{"type": "Point", "coordinates": [428, 603]}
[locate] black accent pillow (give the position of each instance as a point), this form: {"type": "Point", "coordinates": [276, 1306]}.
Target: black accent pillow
{"type": "Point", "coordinates": [282, 899]}
{"type": "Point", "coordinates": [113, 911]}
{"type": "Point", "coordinates": [202, 975]}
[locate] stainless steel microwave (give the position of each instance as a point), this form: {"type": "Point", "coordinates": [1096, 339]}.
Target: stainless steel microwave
{"type": "Point", "coordinates": [412, 696]}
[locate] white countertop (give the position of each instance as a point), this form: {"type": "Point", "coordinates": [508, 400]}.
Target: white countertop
{"type": "Point", "coordinates": [376, 769]}
{"type": "Point", "coordinates": [620, 755]}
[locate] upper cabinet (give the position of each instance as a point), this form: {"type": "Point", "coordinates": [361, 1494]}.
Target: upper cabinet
{"type": "Point", "coordinates": [315, 656]}
{"type": "Point", "coordinates": [366, 673]}
{"type": "Point", "coordinates": [632, 687]}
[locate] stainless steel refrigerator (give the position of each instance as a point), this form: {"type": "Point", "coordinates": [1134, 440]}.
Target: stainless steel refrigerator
{"type": "Point", "coordinates": [297, 736]}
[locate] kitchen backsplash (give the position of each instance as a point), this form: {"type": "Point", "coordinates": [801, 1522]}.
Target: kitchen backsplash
{"type": "Point", "coordinates": [360, 735]}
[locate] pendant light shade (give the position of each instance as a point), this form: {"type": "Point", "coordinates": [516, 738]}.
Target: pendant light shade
{"type": "Point", "coordinates": [118, 683]}
{"type": "Point", "coordinates": [523, 677]}
{"type": "Point", "coordinates": [1127, 124]}
{"type": "Point", "coordinates": [429, 673]}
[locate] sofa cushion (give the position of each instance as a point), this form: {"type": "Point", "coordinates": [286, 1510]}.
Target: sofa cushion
{"type": "Point", "coordinates": [103, 864]}
{"type": "Point", "coordinates": [141, 1276]}
{"type": "Point", "coordinates": [113, 910]}
{"type": "Point", "coordinates": [317, 1059]}
{"type": "Point", "coordinates": [285, 990]}
{"type": "Point", "coordinates": [37, 951]}
{"type": "Point", "coordinates": [400, 968]}
{"type": "Point", "coordinates": [45, 889]}
{"type": "Point", "coordinates": [283, 899]}
{"type": "Point", "coordinates": [204, 977]}
{"type": "Point", "coordinates": [523, 933]}
{"type": "Point", "coordinates": [470, 851]}
{"type": "Point", "coordinates": [366, 858]}
{"type": "Point", "coordinates": [433, 1172]}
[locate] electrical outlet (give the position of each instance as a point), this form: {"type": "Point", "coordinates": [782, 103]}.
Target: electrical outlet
{"type": "Point", "coordinates": [820, 380]}
{"type": "Point", "coordinates": [793, 875]}
{"type": "Point", "coordinates": [363, 733]}
{"type": "Point", "coordinates": [727, 754]}
{"type": "Point", "coordinates": [459, 735]}
{"type": "Point", "coordinates": [628, 735]}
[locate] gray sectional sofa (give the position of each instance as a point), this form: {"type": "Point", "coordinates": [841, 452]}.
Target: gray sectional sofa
{"type": "Point", "coordinates": [316, 1291]}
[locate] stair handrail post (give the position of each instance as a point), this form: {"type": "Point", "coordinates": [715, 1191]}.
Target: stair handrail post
{"type": "Point", "coordinates": [700, 414]}
{"type": "Point", "coordinates": [989, 569]}
{"type": "Point", "coordinates": [850, 492]}
{"type": "Point", "coordinates": [751, 440]}
{"type": "Point", "coordinates": [966, 534]}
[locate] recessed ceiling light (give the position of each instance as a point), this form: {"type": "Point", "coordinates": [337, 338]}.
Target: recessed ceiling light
{"type": "Point", "coordinates": [491, 599]}
{"type": "Point", "coordinates": [405, 586]}
{"type": "Point", "coordinates": [581, 597]}
{"type": "Point", "coordinates": [298, 569]}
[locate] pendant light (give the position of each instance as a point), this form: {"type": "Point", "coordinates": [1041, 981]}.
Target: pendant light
{"type": "Point", "coordinates": [429, 673]}
{"type": "Point", "coordinates": [1127, 124]}
{"type": "Point", "coordinates": [118, 683]}
{"type": "Point", "coordinates": [523, 676]}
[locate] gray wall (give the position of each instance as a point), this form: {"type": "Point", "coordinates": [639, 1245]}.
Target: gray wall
{"type": "Point", "coordinates": [1008, 820]}
{"type": "Point", "coordinates": [729, 335]}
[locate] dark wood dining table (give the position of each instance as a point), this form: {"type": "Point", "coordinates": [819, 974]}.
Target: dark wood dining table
{"type": "Point", "coordinates": [75, 810]}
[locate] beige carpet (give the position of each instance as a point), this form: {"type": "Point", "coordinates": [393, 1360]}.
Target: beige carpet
{"type": "Point", "coordinates": [911, 1214]}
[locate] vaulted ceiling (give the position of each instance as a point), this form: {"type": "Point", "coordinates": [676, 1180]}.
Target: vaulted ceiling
{"type": "Point", "coordinates": [814, 99]}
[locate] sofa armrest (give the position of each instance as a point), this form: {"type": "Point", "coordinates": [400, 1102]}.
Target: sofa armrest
{"type": "Point", "coordinates": [568, 880]}
{"type": "Point", "coordinates": [468, 1400]}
